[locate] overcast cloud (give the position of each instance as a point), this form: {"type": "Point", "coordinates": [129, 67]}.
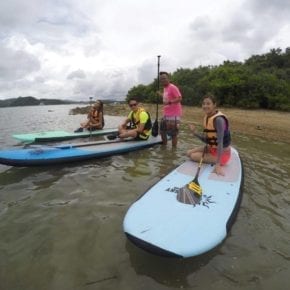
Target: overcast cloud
{"type": "Point", "coordinates": [71, 49]}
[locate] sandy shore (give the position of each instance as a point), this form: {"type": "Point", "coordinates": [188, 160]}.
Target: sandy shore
{"type": "Point", "coordinates": [270, 125]}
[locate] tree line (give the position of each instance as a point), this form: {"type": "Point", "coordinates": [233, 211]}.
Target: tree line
{"type": "Point", "coordinates": [32, 101]}
{"type": "Point", "coordinates": [260, 82]}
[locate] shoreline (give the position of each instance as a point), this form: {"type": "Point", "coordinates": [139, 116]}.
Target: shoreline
{"type": "Point", "coordinates": [269, 125]}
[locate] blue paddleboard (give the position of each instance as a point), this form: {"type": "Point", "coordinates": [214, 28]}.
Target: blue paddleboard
{"type": "Point", "coordinates": [160, 224]}
{"type": "Point", "coordinates": [39, 155]}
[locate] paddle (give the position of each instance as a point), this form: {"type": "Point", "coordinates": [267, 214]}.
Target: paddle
{"type": "Point", "coordinates": [79, 130]}
{"type": "Point", "coordinates": [70, 146]}
{"type": "Point", "coordinates": [155, 127]}
{"type": "Point", "coordinates": [192, 192]}
{"type": "Point", "coordinates": [90, 129]}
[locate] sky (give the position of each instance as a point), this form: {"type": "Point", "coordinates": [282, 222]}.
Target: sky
{"type": "Point", "coordinates": [76, 50]}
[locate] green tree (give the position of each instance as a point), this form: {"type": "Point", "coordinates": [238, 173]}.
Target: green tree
{"type": "Point", "coordinates": [262, 81]}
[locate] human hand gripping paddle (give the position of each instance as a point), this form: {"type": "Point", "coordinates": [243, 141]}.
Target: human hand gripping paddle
{"type": "Point", "coordinates": [191, 193]}
{"type": "Point", "coordinates": [155, 127]}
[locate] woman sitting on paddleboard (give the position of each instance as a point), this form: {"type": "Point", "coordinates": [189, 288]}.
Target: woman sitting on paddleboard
{"type": "Point", "coordinates": [95, 119]}
{"type": "Point", "coordinates": [216, 135]}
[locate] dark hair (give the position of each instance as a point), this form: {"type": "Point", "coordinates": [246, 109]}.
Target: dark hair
{"type": "Point", "coordinates": [164, 73]}
{"type": "Point", "coordinates": [211, 97]}
{"type": "Point", "coordinates": [100, 109]}
{"type": "Point", "coordinates": [132, 99]}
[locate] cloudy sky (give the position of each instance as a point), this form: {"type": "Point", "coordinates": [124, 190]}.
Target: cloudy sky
{"type": "Point", "coordinates": [77, 49]}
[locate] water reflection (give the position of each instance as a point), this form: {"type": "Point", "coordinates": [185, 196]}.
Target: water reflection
{"type": "Point", "coordinates": [38, 175]}
{"type": "Point", "coordinates": [172, 272]}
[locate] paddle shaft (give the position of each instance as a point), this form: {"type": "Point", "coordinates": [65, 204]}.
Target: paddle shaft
{"type": "Point", "coordinates": [90, 129]}
{"type": "Point", "coordinates": [199, 165]}
{"type": "Point", "coordinates": [158, 82]}
{"type": "Point", "coordinates": [68, 135]}
{"type": "Point", "coordinates": [68, 146]}
{"type": "Point", "coordinates": [155, 127]}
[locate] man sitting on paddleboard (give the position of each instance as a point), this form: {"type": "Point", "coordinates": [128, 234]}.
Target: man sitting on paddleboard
{"type": "Point", "coordinates": [138, 123]}
{"type": "Point", "coordinates": [216, 136]}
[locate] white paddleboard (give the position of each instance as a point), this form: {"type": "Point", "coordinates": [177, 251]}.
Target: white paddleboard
{"type": "Point", "coordinates": [160, 224]}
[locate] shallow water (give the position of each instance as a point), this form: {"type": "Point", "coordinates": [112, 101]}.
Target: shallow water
{"type": "Point", "coordinates": [61, 226]}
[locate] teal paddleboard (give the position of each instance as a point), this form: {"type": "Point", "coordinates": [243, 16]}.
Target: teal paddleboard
{"type": "Point", "coordinates": [51, 136]}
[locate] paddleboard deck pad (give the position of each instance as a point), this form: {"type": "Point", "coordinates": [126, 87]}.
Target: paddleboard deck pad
{"type": "Point", "coordinates": [39, 155]}
{"type": "Point", "coordinates": [51, 136]}
{"type": "Point", "coordinates": [162, 225]}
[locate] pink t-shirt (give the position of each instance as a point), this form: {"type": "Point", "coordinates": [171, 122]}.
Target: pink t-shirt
{"type": "Point", "coordinates": [170, 93]}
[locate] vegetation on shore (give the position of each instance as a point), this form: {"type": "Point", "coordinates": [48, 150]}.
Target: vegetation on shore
{"type": "Point", "coordinates": [267, 124]}
{"type": "Point", "coordinates": [32, 101]}
{"type": "Point", "coordinates": [260, 82]}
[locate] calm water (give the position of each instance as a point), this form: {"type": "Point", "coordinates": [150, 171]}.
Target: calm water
{"type": "Point", "coordinates": [61, 226]}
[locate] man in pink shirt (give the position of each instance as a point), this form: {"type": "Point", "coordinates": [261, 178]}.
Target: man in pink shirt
{"type": "Point", "coordinates": [172, 109]}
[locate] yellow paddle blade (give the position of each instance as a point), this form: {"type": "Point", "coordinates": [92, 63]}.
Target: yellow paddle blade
{"type": "Point", "coordinates": [195, 187]}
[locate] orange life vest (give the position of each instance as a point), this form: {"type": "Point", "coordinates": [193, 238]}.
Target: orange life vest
{"type": "Point", "coordinates": [211, 133]}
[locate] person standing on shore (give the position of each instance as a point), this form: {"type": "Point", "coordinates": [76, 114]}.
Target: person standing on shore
{"type": "Point", "coordinates": [172, 110]}
{"type": "Point", "coordinates": [216, 136]}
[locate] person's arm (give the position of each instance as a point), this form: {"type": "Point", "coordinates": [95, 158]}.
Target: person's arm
{"type": "Point", "coordinates": [100, 118]}
{"type": "Point", "coordinates": [201, 137]}
{"type": "Point", "coordinates": [220, 128]}
{"type": "Point", "coordinates": [143, 119]}
{"type": "Point", "coordinates": [219, 124]}
{"type": "Point", "coordinates": [125, 122]}
{"type": "Point", "coordinates": [175, 100]}
{"type": "Point", "coordinates": [140, 128]}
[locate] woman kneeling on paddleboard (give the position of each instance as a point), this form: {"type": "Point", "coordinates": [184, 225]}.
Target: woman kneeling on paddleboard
{"type": "Point", "coordinates": [216, 135]}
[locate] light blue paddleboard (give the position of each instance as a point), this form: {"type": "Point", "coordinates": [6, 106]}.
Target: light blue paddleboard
{"type": "Point", "coordinates": [160, 224]}
{"type": "Point", "coordinates": [51, 136]}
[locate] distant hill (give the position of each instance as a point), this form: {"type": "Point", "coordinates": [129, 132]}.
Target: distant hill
{"type": "Point", "coordinates": [31, 101]}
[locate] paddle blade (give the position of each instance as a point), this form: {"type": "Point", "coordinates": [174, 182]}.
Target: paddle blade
{"type": "Point", "coordinates": [190, 194]}
{"type": "Point", "coordinates": [112, 136]}
{"type": "Point", "coordinates": [79, 130]}
{"type": "Point", "coordinates": [195, 188]}
{"type": "Point", "coordinates": [155, 129]}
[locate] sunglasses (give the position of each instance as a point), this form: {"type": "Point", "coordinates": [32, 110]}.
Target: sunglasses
{"type": "Point", "coordinates": [133, 105]}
